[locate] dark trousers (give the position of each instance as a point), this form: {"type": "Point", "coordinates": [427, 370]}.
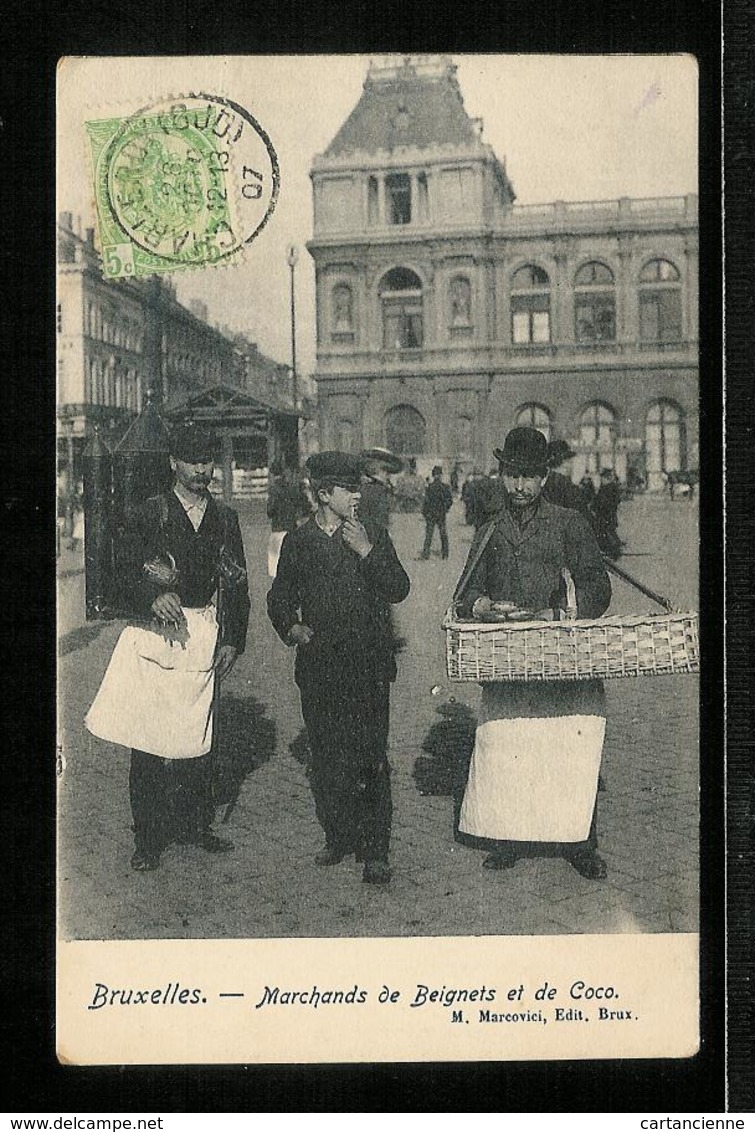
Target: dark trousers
{"type": "Point", "coordinates": [347, 725]}
{"type": "Point", "coordinates": [171, 800]}
{"type": "Point", "coordinates": [430, 525]}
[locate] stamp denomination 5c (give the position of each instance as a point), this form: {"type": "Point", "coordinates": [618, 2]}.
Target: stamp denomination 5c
{"type": "Point", "coordinates": [184, 183]}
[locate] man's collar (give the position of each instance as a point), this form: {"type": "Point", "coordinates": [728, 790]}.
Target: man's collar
{"type": "Point", "coordinates": [189, 504]}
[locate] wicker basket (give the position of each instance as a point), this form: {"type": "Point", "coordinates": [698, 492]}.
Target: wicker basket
{"type": "Point", "coordinates": [653, 645]}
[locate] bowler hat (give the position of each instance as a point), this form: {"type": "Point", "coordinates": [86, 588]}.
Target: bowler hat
{"type": "Point", "coordinates": [391, 461]}
{"type": "Point", "coordinates": [524, 450]}
{"type": "Point", "coordinates": [558, 451]}
{"type": "Point", "coordinates": [192, 444]}
{"type": "Point", "coordinates": [338, 468]}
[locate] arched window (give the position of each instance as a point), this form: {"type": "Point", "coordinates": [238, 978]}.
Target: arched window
{"type": "Point", "coordinates": [530, 305]}
{"type": "Point", "coordinates": [664, 442]}
{"type": "Point", "coordinates": [405, 430]}
{"type": "Point", "coordinates": [534, 416]}
{"type": "Point", "coordinates": [594, 304]}
{"type": "Point", "coordinates": [660, 302]}
{"type": "Point", "coordinates": [597, 436]}
{"type": "Point", "coordinates": [342, 310]}
{"type": "Point", "coordinates": [401, 301]}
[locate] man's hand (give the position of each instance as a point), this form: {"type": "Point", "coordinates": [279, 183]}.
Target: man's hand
{"type": "Point", "coordinates": [225, 660]}
{"type": "Point", "coordinates": [167, 609]}
{"type": "Point", "coordinates": [300, 635]}
{"type": "Point", "coordinates": [355, 537]}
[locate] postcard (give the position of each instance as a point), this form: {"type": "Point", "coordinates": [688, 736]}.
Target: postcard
{"type": "Point", "coordinates": [377, 555]}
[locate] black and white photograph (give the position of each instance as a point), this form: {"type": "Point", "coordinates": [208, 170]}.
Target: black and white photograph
{"type": "Point", "coordinates": [377, 393]}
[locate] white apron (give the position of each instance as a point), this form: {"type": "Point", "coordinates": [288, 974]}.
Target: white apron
{"type": "Point", "coordinates": [156, 694]}
{"type": "Point", "coordinates": [531, 778]}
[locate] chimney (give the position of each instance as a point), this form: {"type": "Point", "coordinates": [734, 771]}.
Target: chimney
{"type": "Point", "coordinates": [65, 219]}
{"type": "Point", "coordinates": [90, 237]}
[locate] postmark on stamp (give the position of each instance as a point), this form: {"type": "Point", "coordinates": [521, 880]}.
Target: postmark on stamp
{"type": "Point", "coordinates": [184, 183]}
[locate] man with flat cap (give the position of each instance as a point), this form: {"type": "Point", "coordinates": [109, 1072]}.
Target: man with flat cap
{"type": "Point", "coordinates": [185, 577]}
{"type": "Point", "coordinates": [377, 492]}
{"type": "Point", "coordinates": [533, 777]}
{"type": "Point", "coordinates": [331, 598]}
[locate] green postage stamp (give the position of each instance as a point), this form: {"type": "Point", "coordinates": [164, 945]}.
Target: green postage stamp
{"type": "Point", "coordinates": [184, 183]}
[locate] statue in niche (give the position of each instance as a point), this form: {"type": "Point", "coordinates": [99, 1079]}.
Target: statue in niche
{"type": "Point", "coordinates": [461, 302]}
{"type": "Point", "coordinates": [342, 309]}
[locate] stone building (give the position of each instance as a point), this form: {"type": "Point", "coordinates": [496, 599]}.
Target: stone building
{"type": "Point", "coordinates": [446, 313]}
{"type": "Point", "coordinates": [119, 339]}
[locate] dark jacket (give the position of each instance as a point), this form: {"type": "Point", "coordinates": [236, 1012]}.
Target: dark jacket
{"type": "Point", "coordinates": [343, 598]}
{"type": "Point", "coordinates": [438, 500]}
{"type": "Point", "coordinates": [285, 504]}
{"type": "Point", "coordinates": [376, 503]}
{"type": "Point", "coordinates": [523, 565]}
{"type": "Point", "coordinates": [156, 529]}
{"type": "Point", "coordinates": [560, 491]}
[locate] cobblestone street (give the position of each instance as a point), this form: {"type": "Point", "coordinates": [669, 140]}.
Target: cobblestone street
{"type": "Point", "coordinates": [270, 886]}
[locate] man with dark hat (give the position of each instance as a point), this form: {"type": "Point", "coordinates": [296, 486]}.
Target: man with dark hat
{"type": "Point", "coordinates": [185, 574]}
{"type": "Point", "coordinates": [377, 491]}
{"type": "Point", "coordinates": [331, 598]}
{"type": "Point", "coordinates": [533, 778]}
{"type": "Point", "coordinates": [558, 487]}
{"type": "Point", "coordinates": [437, 504]}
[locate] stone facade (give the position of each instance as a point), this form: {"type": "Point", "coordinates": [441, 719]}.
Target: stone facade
{"type": "Point", "coordinates": [446, 313]}
{"type": "Point", "coordinates": [119, 339]}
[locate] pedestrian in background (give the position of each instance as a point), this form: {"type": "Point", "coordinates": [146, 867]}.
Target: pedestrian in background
{"type": "Point", "coordinates": [606, 511]}
{"type": "Point", "coordinates": [286, 506]}
{"type": "Point", "coordinates": [331, 598]}
{"type": "Point", "coordinates": [376, 488]}
{"type": "Point", "coordinates": [470, 496]}
{"type": "Point", "coordinates": [437, 504]}
{"type": "Point", "coordinates": [558, 487]}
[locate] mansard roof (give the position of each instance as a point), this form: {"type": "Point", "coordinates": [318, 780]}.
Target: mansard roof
{"type": "Point", "coordinates": [407, 105]}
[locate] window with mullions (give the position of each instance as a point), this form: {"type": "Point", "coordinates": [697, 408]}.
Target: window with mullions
{"type": "Point", "coordinates": [401, 301]}
{"type": "Point", "coordinates": [660, 302]}
{"type": "Point", "coordinates": [597, 436]}
{"type": "Point", "coordinates": [594, 304]}
{"type": "Point", "coordinates": [530, 306]}
{"type": "Point", "coordinates": [398, 193]}
{"type": "Point", "coordinates": [534, 416]}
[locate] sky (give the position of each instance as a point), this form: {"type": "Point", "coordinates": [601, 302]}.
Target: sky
{"type": "Point", "coordinates": [568, 128]}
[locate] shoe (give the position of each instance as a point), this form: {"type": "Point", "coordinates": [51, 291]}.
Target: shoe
{"type": "Point", "coordinates": [422, 558]}
{"type": "Point", "coordinates": [376, 872]}
{"type": "Point", "coordinates": [330, 856]}
{"type": "Point", "coordinates": [211, 843]}
{"type": "Point", "coordinates": [145, 862]}
{"type": "Point", "coordinates": [500, 860]}
{"type": "Point", "coordinates": [589, 865]}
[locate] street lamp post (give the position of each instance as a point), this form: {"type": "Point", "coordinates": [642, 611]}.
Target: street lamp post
{"type": "Point", "coordinates": [292, 256]}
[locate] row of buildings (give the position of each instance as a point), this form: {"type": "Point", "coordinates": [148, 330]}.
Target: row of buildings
{"type": "Point", "coordinates": [446, 313]}
{"type": "Point", "coordinates": [120, 341]}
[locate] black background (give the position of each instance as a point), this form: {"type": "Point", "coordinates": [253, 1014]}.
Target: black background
{"type": "Point", "coordinates": [34, 39]}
